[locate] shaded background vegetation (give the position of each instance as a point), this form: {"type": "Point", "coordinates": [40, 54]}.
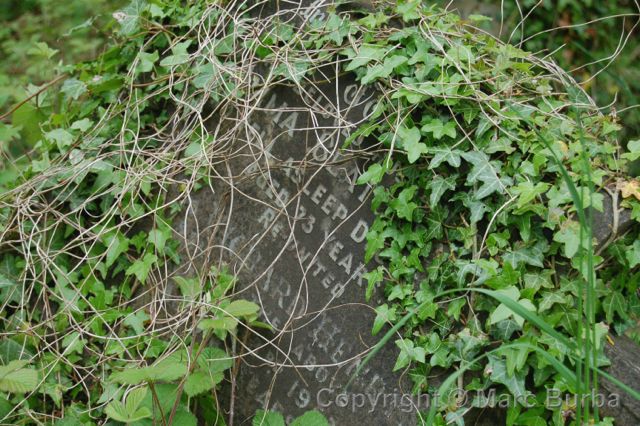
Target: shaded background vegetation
{"type": "Point", "coordinates": [39, 37]}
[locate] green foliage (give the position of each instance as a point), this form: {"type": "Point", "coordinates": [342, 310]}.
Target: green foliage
{"type": "Point", "coordinates": [272, 418]}
{"type": "Point", "coordinates": [598, 40]}
{"type": "Point", "coordinates": [486, 258]}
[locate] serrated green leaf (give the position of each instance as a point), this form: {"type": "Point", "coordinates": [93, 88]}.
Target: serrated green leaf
{"type": "Point", "coordinates": [311, 418]}
{"type": "Point", "coordinates": [15, 379]}
{"type": "Point", "coordinates": [267, 418]}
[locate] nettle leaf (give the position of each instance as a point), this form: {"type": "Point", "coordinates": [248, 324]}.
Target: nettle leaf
{"type": "Point", "coordinates": [403, 205]}
{"type": "Point", "coordinates": [409, 139]}
{"type": "Point", "coordinates": [485, 172]}
{"type": "Point", "coordinates": [267, 418]}
{"type": "Point", "coordinates": [440, 129]}
{"type": "Point", "coordinates": [311, 418]}
{"type": "Point", "coordinates": [242, 309]}
{"type": "Point", "coordinates": [162, 371]}
{"type": "Point", "coordinates": [201, 381]}
{"type": "Point", "coordinates": [439, 186]}
{"type": "Point", "coordinates": [117, 411]}
{"type": "Point", "coordinates": [16, 379]}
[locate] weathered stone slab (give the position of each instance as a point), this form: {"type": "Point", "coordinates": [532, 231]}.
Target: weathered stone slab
{"type": "Point", "coordinates": [283, 212]}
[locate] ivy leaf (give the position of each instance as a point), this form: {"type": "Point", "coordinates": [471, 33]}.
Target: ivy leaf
{"type": "Point", "coordinates": [408, 352]}
{"type": "Point", "coordinates": [569, 235]}
{"type": "Point", "coordinates": [533, 255]}
{"type": "Point", "coordinates": [129, 17]}
{"type": "Point", "coordinates": [116, 244]}
{"type": "Point", "coordinates": [435, 222]}
{"type": "Point", "coordinates": [6, 281]}
{"type": "Point", "coordinates": [141, 267]}
{"type": "Point", "coordinates": [73, 88]}
{"type": "Point", "coordinates": [499, 374]}
{"type": "Point", "coordinates": [440, 129]}
{"type": "Point", "coordinates": [403, 205]}
{"type": "Point", "coordinates": [615, 303]}
{"type": "Point", "coordinates": [146, 61]}
{"type": "Point", "coordinates": [179, 55]}
{"type": "Point", "coordinates": [366, 54]}
{"type": "Point", "coordinates": [485, 172]}
{"type": "Point", "coordinates": [410, 141]}
{"type": "Point", "coordinates": [502, 312]}
{"type": "Point", "coordinates": [439, 186]}
{"type": "Point", "coordinates": [61, 137]}
{"type": "Point", "coordinates": [527, 192]}
{"type": "Point", "coordinates": [136, 321]}
{"type": "Point", "coordinates": [634, 150]}
{"type": "Point", "coordinates": [385, 69]}
{"type": "Point", "coordinates": [451, 156]}
{"type": "Point", "coordinates": [158, 237]}
{"type": "Point", "coordinates": [384, 316]}
{"type": "Point", "coordinates": [267, 418]}
{"type": "Point", "coordinates": [550, 298]}
{"type": "Point", "coordinates": [633, 254]}
{"type": "Point", "coordinates": [409, 9]}
{"type": "Point", "coordinates": [373, 175]}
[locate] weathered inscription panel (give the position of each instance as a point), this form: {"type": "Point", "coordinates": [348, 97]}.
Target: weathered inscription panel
{"type": "Point", "coordinates": [283, 212]}
{"type": "Point", "coordinates": [299, 227]}
{"type": "Point", "coordinates": [285, 215]}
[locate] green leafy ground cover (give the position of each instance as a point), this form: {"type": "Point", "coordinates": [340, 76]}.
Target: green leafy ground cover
{"type": "Point", "coordinates": [488, 265]}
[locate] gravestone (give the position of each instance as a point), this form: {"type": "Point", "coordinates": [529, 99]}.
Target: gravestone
{"type": "Point", "coordinates": [284, 214]}
{"type": "Point", "coordinates": [293, 227]}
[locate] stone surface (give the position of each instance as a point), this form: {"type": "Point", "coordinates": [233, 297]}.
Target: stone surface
{"type": "Point", "coordinates": [285, 215]}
